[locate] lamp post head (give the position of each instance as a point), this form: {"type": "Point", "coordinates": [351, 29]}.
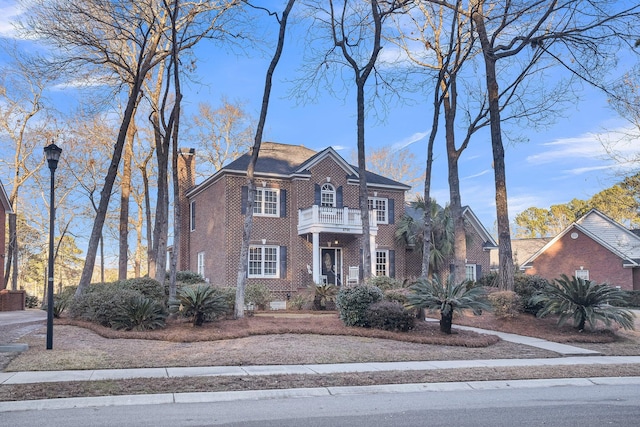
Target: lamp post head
{"type": "Point", "coordinates": [52, 153]}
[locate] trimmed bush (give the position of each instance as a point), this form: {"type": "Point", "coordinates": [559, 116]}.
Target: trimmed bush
{"type": "Point", "coordinates": [354, 302]}
{"type": "Point", "coordinates": [489, 280]}
{"type": "Point", "coordinates": [229, 295]}
{"type": "Point", "coordinates": [526, 286]}
{"type": "Point", "coordinates": [505, 303]}
{"type": "Point", "coordinates": [633, 299]}
{"type": "Point", "coordinates": [397, 295]}
{"type": "Point", "coordinates": [389, 316]}
{"type": "Point", "coordinates": [384, 283]}
{"type": "Point", "coordinates": [139, 313]}
{"type": "Point", "coordinates": [258, 294]}
{"type": "Point", "coordinates": [31, 301]}
{"type": "Point", "coordinates": [99, 303]}
{"type": "Point", "coordinates": [148, 287]}
{"type": "Point", "coordinates": [187, 277]}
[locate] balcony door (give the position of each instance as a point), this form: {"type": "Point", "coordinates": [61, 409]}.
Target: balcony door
{"type": "Point", "coordinates": [331, 266]}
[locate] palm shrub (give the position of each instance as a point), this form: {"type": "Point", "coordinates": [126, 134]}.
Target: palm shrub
{"type": "Point", "coordinates": [448, 299]}
{"type": "Point", "coordinates": [202, 302]}
{"type": "Point", "coordinates": [139, 313]}
{"type": "Point", "coordinates": [323, 295]}
{"type": "Point", "coordinates": [583, 301]}
{"type": "Point", "coordinates": [353, 303]}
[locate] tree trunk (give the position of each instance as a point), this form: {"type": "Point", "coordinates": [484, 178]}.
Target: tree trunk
{"type": "Point", "coordinates": [105, 194]}
{"type": "Point", "coordinates": [363, 191]}
{"type": "Point", "coordinates": [446, 320]}
{"type": "Point", "coordinates": [502, 212]}
{"type": "Point", "coordinates": [125, 193]}
{"type": "Point", "coordinates": [455, 203]}
{"type": "Point", "coordinates": [11, 271]}
{"type": "Point", "coordinates": [243, 265]}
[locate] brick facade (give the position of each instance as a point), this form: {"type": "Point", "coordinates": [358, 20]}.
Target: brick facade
{"type": "Point", "coordinates": [577, 251]}
{"type": "Point", "coordinates": [219, 220]}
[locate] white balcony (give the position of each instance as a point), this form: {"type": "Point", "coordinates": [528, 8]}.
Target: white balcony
{"type": "Point", "coordinates": [317, 219]}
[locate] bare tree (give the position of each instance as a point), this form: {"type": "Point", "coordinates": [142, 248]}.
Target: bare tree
{"type": "Point", "coordinates": [26, 123]}
{"type": "Point", "coordinates": [243, 264]}
{"type": "Point", "coordinates": [221, 134]}
{"type": "Point", "coordinates": [120, 38]}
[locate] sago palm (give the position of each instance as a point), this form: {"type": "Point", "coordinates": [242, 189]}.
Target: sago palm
{"type": "Point", "coordinates": [448, 299]}
{"type": "Point", "coordinates": [201, 302]}
{"type": "Point", "coordinates": [583, 301]}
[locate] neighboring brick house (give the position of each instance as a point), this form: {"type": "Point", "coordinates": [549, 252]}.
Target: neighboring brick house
{"type": "Point", "coordinates": [479, 246]}
{"type": "Point", "coordinates": [5, 209]}
{"type": "Point", "coordinates": [306, 227]}
{"type": "Point", "coordinates": [595, 247]}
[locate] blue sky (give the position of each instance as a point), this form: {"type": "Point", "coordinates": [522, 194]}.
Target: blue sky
{"type": "Point", "coordinates": [562, 162]}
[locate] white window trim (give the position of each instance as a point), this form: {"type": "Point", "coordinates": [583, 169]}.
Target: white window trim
{"type": "Point", "coordinates": [473, 268]}
{"type": "Point", "coordinates": [192, 216]}
{"type": "Point", "coordinates": [328, 189]}
{"type": "Point", "coordinates": [375, 209]}
{"type": "Point", "coordinates": [262, 203]}
{"type": "Point", "coordinates": [582, 273]}
{"type": "Point", "coordinates": [262, 275]}
{"type": "Point", "coordinates": [386, 263]}
{"type": "Point", "coordinates": [200, 266]}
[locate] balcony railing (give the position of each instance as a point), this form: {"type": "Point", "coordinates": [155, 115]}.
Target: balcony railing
{"type": "Point", "coordinates": [337, 220]}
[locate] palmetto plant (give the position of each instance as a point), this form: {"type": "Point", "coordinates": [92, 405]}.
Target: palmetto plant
{"type": "Point", "coordinates": [139, 313]}
{"type": "Point", "coordinates": [583, 301]}
{"type": "Point", "coordinates": [448, 299]}
{"type": "Point", "coordinates": [202, 302]}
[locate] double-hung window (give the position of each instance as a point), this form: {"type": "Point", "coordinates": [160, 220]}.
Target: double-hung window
{"type": "Point", "coordinates": [264, 261]}
{"type": "Point", "coordinates": [381, 208]}
{"type": "Point", "coordinates": [382, 263]}
{"type": "Point", "coordinates": [582, 274]}
{"type": "Point", "coordinates": [200, 267]}
{"type": "Point", "coordinates": [470, 272]}
{"type": "Point", "coordinates": [267, 202]}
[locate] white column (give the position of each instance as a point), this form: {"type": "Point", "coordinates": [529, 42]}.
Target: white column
{"type": "Point", "coordinates": [372, 244]}
{"type": "Point", "coordinates": [316, 257]}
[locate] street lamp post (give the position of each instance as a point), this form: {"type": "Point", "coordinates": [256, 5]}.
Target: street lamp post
{"type": "Point", "coordinates": [52, 153]}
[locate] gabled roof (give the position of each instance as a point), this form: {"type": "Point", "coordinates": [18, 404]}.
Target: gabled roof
{"type": "Point", "coordinates": [604, 231]}
{"type": "Point", "coordinates": [4, 200]}
{"type": "Point", "coordinates": [289, 161]}
{"type": "Point", "coordinates": [488, 240]}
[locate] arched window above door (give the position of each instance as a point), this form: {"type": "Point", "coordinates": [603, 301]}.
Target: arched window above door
{"type": "Point", "coordinates": [328, 195]}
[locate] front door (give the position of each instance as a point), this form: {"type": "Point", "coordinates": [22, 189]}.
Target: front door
{"type": "Point", "coordinates": [331, 262]}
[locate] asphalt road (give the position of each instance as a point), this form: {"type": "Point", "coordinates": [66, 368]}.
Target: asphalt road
{"type": "Point", "coordinates": [566, 406]}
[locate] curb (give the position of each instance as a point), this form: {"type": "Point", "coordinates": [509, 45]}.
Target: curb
{"type": "Point", "coordinates": [213, 397]}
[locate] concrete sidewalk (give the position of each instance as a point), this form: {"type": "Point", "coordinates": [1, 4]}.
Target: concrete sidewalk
{"type": "Point", "coordinates": [7, 378]}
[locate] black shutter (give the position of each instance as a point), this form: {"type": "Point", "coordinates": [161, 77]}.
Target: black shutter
{"type": "Point", "coordinates": [392, 263]}
{"type": "Point", "coordinates": [317, 194]}
{"type": "Point", "coordinates": [478, 271]}
{"type": "Point", "coordinates": [361, 266]}
{"type": "Point", "coordinates": [283, 262]}
{"type": "Point", "coordinates": [391, 211]}
{"type": "Point", "coordinates": [339, 198]}
{"type": "Point", "coordinates": [283, 203]}
{"type": "Point", "coordinates": [193, 215]}
{"type": "Point", "coordinates": [244, 197]}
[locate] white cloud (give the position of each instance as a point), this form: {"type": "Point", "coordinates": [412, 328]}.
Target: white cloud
{"type": "Point", "coordinates": [484, 172]}
{"type": "Point", "coordinates": [587, 146]}
{"type": "Point", "coordinates": [92, 81]}
{"type": "Point", "coordinates": [404, 143]}
{"type": "Point", "coordinates": [8, 12]}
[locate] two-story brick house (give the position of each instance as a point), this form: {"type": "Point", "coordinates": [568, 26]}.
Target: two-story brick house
{"type": "Point", "coordinates": [307, 224]}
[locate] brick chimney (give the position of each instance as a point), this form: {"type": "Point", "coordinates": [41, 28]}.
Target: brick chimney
{"type": "Point", "coordinates": [186, 180]}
